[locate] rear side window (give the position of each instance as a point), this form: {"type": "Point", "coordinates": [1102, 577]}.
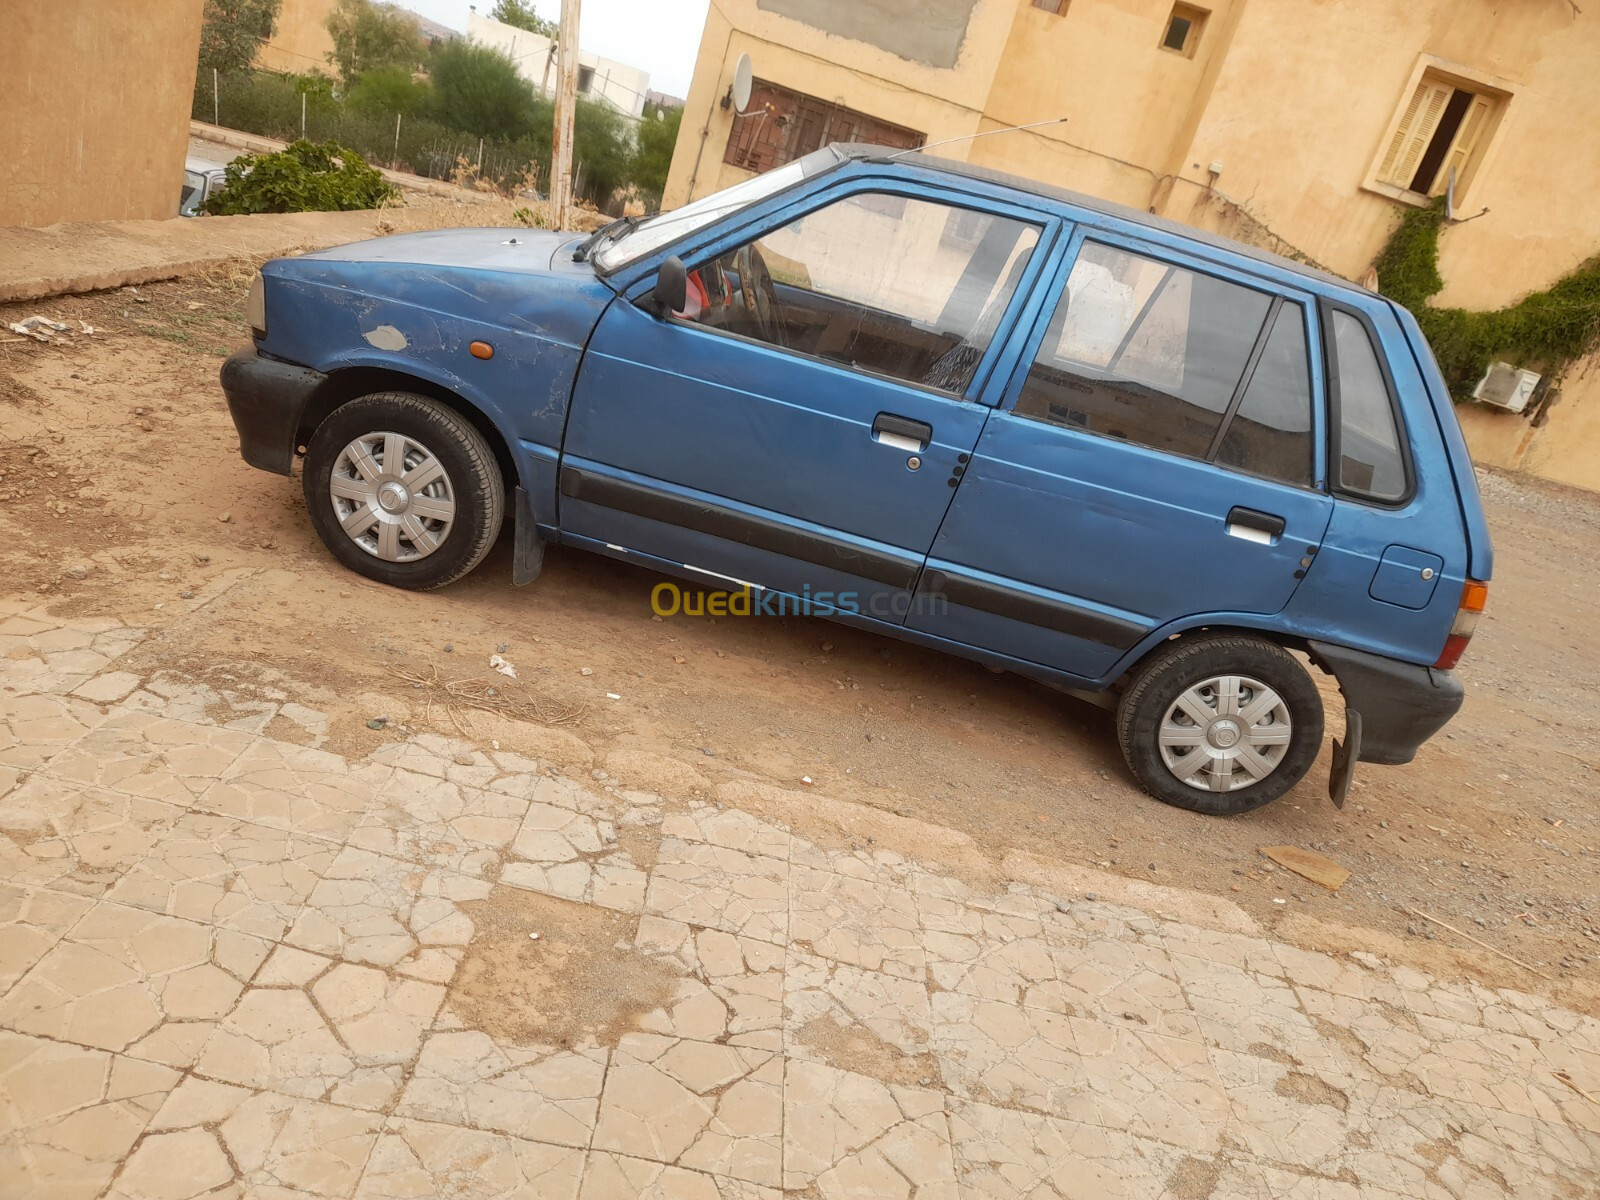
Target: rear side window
{"type": "Point", "coordinates": [1155, 354]}
{"type": "Point", "coordinates": [1270, 434]}
{"type": "Point", "coordinates": [1370, 457]}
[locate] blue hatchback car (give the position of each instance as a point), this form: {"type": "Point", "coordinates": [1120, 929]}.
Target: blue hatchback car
{"type": "Point", "coordinates": [1028, 427]}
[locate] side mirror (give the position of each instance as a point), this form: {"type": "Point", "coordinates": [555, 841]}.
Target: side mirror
{"type": "Point", "coordinates": [671, 293]}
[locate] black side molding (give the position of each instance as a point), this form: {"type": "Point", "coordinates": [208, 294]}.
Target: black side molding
{"type": "Point", "coordinates": [1058, 615]}
{"type": "Point", "coordinates": [1401, 704]}
{"type": "Point", "coordinates": [718, 521]}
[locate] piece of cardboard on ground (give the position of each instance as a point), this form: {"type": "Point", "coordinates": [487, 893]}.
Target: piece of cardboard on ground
{"type": "Point", "coordinates": [1312, 866]}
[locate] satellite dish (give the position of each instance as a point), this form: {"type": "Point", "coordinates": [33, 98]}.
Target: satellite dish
{"type": "Point", "coordinates": [743, 75]}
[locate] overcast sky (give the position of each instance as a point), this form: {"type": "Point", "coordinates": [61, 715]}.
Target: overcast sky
{"type": "Point", "coordinates": [660, 36]}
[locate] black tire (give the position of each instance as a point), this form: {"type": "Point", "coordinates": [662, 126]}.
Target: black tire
{"type": "Point", "coordinates": [474, 481]}
{"type": "Point", "coordinates": [1178, 666]}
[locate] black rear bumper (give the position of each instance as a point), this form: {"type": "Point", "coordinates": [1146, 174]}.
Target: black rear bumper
{"type": "Point", "coordinates": [1401, 704]}
{"type": "Point", "coordinates": [267, 399]}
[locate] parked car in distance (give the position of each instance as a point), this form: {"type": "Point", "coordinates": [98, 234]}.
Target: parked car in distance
{"type": "Point", "coordinates": [1038, 430]}
{"type": "Point", "coordinates": [201, 180]}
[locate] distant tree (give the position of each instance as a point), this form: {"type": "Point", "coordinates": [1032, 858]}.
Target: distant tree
{"type": "Point", "coordinates": [520, 13]}
{"type": "Point", "coordinates": [476, 89]}
{"type": "Point", "coordinates": [601, 148]}
{"type": "Point", "coordinates": [368, 36]}
{"type": "Point", "coordinates": [232, 32]}
{"type": "Point", "coordinates": [652, 159]}
{"type": "Point", "coordinates": [388, 90]}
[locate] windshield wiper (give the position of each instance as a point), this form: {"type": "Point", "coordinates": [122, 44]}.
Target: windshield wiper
{"type": "Point", "coordinates": [611, 229]}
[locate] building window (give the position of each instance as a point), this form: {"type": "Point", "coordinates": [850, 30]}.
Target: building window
{"type": "Point", "coordinates": [1059, 7]}
{"type": "Point", "coordinates": [1183, 29]}
{"type": "Point", "coordinates": [782, 125]}
{"type": "Point", "coordinates": [1442, 131]}
{"type": "Point", "coordinates": [585, 79]}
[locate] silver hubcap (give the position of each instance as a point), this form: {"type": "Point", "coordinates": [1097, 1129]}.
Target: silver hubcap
{"type": "Point", "coordinates": [1227, 732]}
{"type": "Point", "coordinates": [392, 497]}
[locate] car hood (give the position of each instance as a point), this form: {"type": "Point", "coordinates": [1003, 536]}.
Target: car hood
{"type": "Point", "coordinates": [519, 251]}
{"type": "Point", "coordinates": [521, 280]}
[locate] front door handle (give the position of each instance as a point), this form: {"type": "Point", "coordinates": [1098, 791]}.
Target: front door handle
{"type": "Point", "coordinates": [902, 432]}
{"type": "Point", "coordinates": [1253, 525]}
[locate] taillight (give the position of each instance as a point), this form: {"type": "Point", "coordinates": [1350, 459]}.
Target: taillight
{"type": "Point", "coordinates": [1474, 596]}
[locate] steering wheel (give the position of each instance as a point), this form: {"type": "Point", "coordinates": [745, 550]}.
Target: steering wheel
{"type": "Point", "coordinates": [760, 295]}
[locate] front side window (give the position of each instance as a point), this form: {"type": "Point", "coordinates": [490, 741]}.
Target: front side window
{"type": "Point", "coordinates": [885, 284]}
{"type": "Point", "coordinates": [1145, 352]}
{"type": "Point", "coordinates": [1370, 460]}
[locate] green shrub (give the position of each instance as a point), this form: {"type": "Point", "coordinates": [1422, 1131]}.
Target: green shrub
{"type": "Point", "coordinates": [388, 90]}
{"type": "Point", "coordinates": [304, 177]}
{"type": "Point", "coordinates": [476, 89]}
{"type": "Point", "coordinates": [1545, 331]}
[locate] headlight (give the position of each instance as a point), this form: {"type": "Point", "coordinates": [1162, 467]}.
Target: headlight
{"type": "Point", "coordinates": [255, 308]}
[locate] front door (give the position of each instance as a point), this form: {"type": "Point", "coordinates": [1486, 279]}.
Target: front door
{"type": "Point", "coordinates": [797, 428]}
{"type": "Point", "coordinates": [1155, 458]}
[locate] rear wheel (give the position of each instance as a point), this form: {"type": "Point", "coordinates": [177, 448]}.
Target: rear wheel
{"type": "Point", "coordinates": [403, 489]}
{"type": "Point", "coordinates": [1220, 725]}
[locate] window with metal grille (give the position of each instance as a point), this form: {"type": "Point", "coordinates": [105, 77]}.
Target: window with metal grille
{"type": "Point", "coordinates": [781, 125]}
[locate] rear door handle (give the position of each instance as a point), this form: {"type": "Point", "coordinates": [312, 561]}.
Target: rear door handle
{"type": "Point", "coordinates": [901, 432]}
{"type": "Point", "coordinates": [1253, 525]}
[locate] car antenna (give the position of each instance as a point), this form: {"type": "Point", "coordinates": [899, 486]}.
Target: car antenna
{"type": "Point", "coordinates": [967, 137]}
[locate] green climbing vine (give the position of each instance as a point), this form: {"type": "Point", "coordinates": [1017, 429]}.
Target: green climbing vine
{"type": "Point", "coordinates": [1546, 331]}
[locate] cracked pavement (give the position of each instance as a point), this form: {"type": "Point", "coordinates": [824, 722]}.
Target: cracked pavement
{"type": "Point", "coordinates": [237, 965]}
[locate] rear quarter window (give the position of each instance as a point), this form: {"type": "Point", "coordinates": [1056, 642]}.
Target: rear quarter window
{"type": "Point", "coordinates": [1369, 451]}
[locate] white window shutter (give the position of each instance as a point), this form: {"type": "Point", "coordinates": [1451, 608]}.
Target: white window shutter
{"type": "Point", "coordinates": [1474, 128]}
{"type": "Point", "coordinates": [1417, 127]}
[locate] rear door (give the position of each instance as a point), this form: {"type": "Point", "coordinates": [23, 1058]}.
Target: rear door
{"type": "Point", "coordinates": [1156, 455]}
{"type": "Point", "coordinates": [799, 429]}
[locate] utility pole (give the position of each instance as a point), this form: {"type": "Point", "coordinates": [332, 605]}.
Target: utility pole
{"type": "Point", "coordinates": [566, 106]}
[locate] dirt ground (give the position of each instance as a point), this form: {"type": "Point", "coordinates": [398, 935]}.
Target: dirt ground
{"type": "Point", "coordinates": [121, 490]}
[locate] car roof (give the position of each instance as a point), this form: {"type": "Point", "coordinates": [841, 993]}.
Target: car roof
{"type": "Point", "coordinates": [202, 165]}
{"type": "Point", "coordinates": [863, 152]}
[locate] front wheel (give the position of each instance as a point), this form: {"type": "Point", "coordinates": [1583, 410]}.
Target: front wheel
{"type": "Point", "coordinates": [1220, 725]}
{"type": "Point", "coordinates": [403, 489]}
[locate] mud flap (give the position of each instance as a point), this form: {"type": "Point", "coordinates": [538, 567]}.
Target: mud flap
{"type": "Point", "coordinates": [527, 558]}
{"type": "Point", "coordinates": [1345, 755]}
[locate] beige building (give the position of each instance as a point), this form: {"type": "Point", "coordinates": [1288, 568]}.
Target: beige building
{"type": "Point", "coordinates": [300, 41]}
{"type": "Point", "coordinates": [95, 95]}
{"type": "Point", "coordinates": [1301, 125]}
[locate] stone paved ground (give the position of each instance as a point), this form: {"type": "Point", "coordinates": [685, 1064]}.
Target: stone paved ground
{"type": "Point", "coordinates": [237, 965]}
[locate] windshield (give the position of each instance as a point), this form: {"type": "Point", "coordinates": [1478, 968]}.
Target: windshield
{"type": "Point", "coordinates": [652, 234]}
{"type": "Point", "coordinates": [193, 192]}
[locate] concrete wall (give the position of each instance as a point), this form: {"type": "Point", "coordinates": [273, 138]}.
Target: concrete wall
{"type": "Point", "coordinates": [620, 85]}
{"type": "Point", "coordinates": [301, 42]}
{"type": "Point", "coordinates": [95, 96]}
{"type": "Point", "coordinates": [1293, 98]}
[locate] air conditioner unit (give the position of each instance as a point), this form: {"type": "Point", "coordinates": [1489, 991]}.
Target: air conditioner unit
{"type": "Point", "coordinates": [1505, 386]}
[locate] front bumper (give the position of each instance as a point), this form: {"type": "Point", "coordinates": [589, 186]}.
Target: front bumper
{"type": "Point", "coordinates": [267, 399]}
{"type": "Point", "coordinates": [1401, 704]}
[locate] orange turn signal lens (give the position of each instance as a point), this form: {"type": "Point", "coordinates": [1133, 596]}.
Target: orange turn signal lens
{"type": "Point", "coordinates": [1474, 596]}
{"type": "Point", "coordinates": [481, 350]}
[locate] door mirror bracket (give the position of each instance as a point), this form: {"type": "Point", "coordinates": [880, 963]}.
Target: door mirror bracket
{"type": "Point", "coordinates": [671, 291]}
